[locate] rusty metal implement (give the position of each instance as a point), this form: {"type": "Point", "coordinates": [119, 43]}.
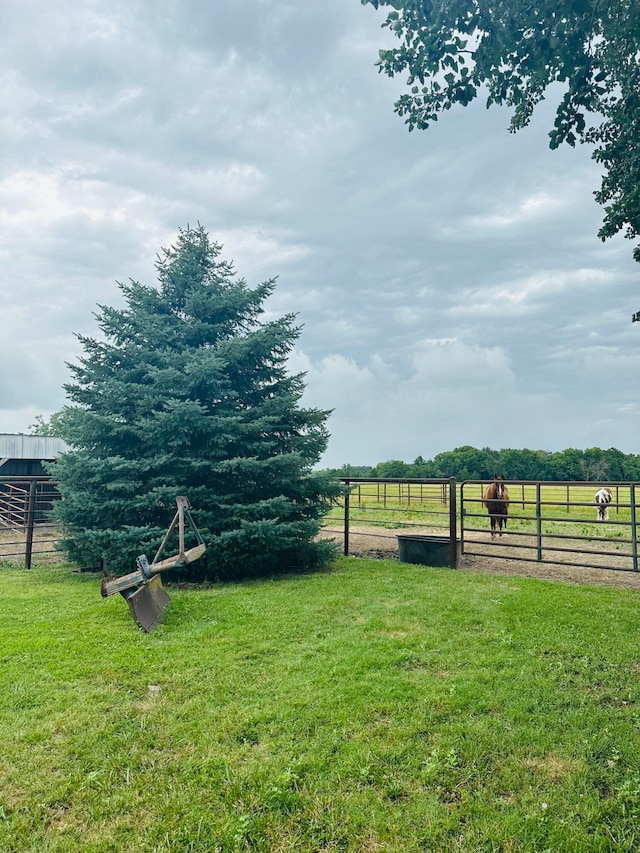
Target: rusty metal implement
{"type": "Point", "coordinates": [142, 589]}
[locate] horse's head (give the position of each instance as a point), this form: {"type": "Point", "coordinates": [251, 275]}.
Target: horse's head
{"type": "Point", "coordinates": [499, 486]}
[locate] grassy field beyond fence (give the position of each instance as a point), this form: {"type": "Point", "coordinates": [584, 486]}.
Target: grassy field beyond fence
{"type": "Point", "coordinates": [564, 508]}
{"type": "Point", "coordinates": [377, 707]}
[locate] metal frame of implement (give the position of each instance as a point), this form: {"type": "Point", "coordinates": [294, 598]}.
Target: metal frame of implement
{"type": "Point", "coordinates": [142, 589]}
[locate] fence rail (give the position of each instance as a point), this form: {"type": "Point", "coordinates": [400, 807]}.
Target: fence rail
{"type": "Point", "coordinates": [558, 521]}
{"type": "Point", "coordinates": [548, 521]}
{"type": "Point", "coordinates": [26, 527]}
{"type": "Point", "coordinates": [553, 522]}
{"type": "Point", "coordinates": [379, 508]}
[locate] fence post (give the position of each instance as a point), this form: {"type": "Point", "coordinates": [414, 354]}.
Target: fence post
{"type": "Point", "coordinates": [538, 522]}
{"type": "Point", "coordinates": [462, 512]}
{"type": "Point", "coordinates": [346, 521]}
{"type": "Point", "coordinates": [453, 525]}
{"type": "Point", "coordinates": [634, 525]}
{"type": "Point", "coordinates": [31, 516]}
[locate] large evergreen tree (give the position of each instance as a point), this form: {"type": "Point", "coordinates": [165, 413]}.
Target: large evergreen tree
{"type": "Point", "coordinates": [186, 391]}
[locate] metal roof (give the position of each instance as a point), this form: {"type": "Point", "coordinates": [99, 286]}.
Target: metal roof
{"type": "Point", "coordinates": [31, 446]}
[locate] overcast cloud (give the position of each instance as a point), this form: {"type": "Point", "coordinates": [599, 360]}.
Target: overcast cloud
{"type": "Point", "coordinates": [450, 282]}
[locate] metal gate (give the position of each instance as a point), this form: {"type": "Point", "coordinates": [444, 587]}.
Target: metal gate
{"type": "Point", "coordinates": [383, 508]}
{"type": "Point", "coordinates": [554, 522]}
{"type": "Point", "coordinates": [26, 528]}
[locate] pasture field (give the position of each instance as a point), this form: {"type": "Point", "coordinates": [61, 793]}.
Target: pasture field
{"type": "Point", "coordinates": [563, 509]}
{"type": "Point", "coordinates": [378, 706]}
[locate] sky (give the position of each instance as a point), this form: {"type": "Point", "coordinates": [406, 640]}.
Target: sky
{"type": "Point", "coordinates": [450, 283]}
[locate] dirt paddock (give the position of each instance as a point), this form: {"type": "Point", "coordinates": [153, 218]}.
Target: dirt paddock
{"type": "Point", "coordinates": [382, 544]}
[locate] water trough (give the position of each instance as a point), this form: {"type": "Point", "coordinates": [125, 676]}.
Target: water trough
{"type": "Point", "coordinates": [428, 550]}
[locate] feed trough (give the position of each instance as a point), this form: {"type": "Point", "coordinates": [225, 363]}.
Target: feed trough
{"type": "Point", "coordinates": [142, 589]}
{"type": "Point", "coordinates": [426, 550]}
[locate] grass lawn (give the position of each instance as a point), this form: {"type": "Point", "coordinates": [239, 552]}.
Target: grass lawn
{"type": "Point", "coordinates": [377, 707]}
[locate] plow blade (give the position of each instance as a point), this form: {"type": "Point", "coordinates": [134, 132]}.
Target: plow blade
{"type": "Point", "coordinates": [148, 603]}
{"type": "Point", "coordinates": [143, 588]}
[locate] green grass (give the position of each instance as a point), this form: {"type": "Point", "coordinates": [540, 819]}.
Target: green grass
{"type": "Point", "coordinates": [377, 707]}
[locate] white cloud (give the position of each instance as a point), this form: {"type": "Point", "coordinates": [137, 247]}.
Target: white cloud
{"type": "Point", "coordinates": [531, 293]}
{"type": "Point", "coordinates": [533, 207]}
{"type": "Point", "coordinates": [450, 283]}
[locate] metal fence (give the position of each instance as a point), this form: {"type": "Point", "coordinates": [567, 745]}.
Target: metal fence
{"type": "Point", "coordinates": [26, 526]}
{"type": "Point", "coordinates": [379, 509]}
{"type": "Point", "coordinates": [554, 522]}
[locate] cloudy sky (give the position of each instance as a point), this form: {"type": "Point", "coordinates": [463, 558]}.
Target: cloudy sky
{"type": "Point", "coordinates": [450, 282]}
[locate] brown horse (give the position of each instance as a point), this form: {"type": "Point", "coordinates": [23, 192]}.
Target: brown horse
{"type": "Point", "coordinates": [496, 500]}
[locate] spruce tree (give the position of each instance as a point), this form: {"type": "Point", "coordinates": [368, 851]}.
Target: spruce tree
{"type": "Point", "coordinates": [186, 391]}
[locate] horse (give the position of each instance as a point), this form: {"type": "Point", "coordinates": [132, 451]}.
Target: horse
{"type": "Point", "coordinates": [603, 498]}
{"type": "Point", "coordinates": [496, 500]}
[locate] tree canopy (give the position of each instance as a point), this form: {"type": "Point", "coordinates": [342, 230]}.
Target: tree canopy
{"type": "Point", "coordinates": [512, 51]}
{"type": "Point", "coordinates": [473, 463]}
{"type": "Point", "coordinates": [186, 392]}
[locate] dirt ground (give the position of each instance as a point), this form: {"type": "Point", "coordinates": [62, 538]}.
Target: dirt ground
{"type": "Point", "coordinates": [382, 544]}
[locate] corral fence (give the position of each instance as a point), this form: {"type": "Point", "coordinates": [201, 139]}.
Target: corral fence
{"type": "Point", "coordinates": [26, 528]}
{"type": "Point", "coordinates": [554, 522]}
{"type": "Point", "coordinates": [379, 508]}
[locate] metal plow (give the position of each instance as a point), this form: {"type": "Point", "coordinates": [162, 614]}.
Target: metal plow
{"type": "Point", "coordinates": [142, 589]}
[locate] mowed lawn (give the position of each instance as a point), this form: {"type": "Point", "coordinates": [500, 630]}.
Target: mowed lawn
{"type": "Point", "coordinates": [379, 706]}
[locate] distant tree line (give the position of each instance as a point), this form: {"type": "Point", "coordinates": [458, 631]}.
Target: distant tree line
{"type": "Point", "coordinates": [472, 463]}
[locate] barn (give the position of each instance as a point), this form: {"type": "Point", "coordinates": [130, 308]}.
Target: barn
{"type": "Point", "coordinates": [24, 455]}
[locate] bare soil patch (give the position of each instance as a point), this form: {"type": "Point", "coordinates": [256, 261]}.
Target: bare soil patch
{"type": "Point", "coordinates": [381, 543]}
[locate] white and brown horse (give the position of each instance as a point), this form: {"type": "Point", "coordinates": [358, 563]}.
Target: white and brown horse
{"type": "Point", "coordinates": [603, 499]}
{"type": "Point", "coordinates": [496, 500]}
